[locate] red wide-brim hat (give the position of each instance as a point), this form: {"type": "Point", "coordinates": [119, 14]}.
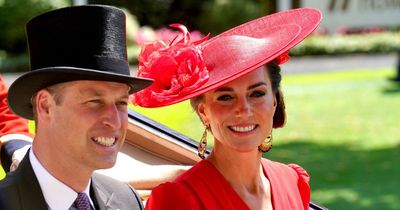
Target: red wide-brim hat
{"type": "Point", "coordinates": [184, 69]}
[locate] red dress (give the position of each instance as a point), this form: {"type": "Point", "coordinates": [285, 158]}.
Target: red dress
{"type": "Point", "coordinates": [9, 122]}
{"type": "Point", "coordinates": [203, 187]}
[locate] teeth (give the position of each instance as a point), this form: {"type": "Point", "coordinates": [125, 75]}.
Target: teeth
{"type": "Point", "coordinates": [243, 128]}
{"type": "Point", "coordinates": [105, 141]}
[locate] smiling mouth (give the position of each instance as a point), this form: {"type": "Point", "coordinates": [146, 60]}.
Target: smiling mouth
{"type": "Point", "coordinates": [243, 129]}
{"type": "Point", "coordinates": [105, 141]}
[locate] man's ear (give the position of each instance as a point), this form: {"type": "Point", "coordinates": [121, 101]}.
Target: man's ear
{"type": "Point", "coordinates": [44, 102]}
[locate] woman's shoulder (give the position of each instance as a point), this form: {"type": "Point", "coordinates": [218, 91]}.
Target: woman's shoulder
{"type": "Point", "coordinates": [289, 177]}
{"type": "Point", "coordinates": [169, 188]}
{"type": "Point", "coordinates": [169, 195]}
{"type": "Point", "coordinates": [199, 169]}
{"type": "Point", "coordinates": [288, 169]}
{"type": "Point", "coordinates": [181, 192]}
{"type": "Point", "coordinates": [180, 183]}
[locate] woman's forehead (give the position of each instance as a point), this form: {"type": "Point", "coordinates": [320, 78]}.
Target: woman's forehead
{"type": "Point", "coordinates": [247, 80]}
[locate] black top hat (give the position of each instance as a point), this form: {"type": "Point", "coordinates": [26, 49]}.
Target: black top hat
{"type": "Point", "coordinates": [74, 43]}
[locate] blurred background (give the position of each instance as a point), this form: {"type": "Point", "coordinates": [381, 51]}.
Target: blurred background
{"type": "Point", "coordinates": [342, 85]}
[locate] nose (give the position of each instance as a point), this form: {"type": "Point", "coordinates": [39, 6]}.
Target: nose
{"type": "Point", "coordinates": [111, 117]}
{"type": "Point", "coordinates": [243, 108]}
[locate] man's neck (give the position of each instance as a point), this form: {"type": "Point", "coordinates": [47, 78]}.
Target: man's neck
{"type": "Point", "coordinates": [57, 194]}
{"type": "Point", "coordinates": [75, 177]}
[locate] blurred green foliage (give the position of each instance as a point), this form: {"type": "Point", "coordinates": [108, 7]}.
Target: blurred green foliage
{"type": "Point", "coordinates": [2, 173]}
{"type": "Point", "coordinates": [219, 16]}
{"type": "Point", "coordinates": [381, 42]}
{"type": "Point", "coordinates": [208, 16]}
{"type": "Point", "coordinates": [161, 13]}
{"type": "Point", "coordinates": [14, 15]}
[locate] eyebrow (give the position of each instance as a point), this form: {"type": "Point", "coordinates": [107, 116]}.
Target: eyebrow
{"type": "Point", "coordinates": [256, 85]}
{"type": "Point", "coordinates": [91, 92]}
{"type": "Point", "coordinates": [97, 93]}
{"type": "Point", "coordinates": [222, 89]}
{"type": "Point", "coordinates": [125, 97]}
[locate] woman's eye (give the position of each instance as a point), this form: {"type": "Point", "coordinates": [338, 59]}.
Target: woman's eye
{"type": "Point", "coordinates": [257, 93]}
{"type": "Point", "coordinates": [224, 98]}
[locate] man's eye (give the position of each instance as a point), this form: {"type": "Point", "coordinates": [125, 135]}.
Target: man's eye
{"type": "Point", "coordinates": [224, 98]}
{"type": "Point", "coordinates": [257, 94]}
{"type": "Point", "coordinates": [122, 103]}
{"type": "Point", "coordinates": [95, 101]}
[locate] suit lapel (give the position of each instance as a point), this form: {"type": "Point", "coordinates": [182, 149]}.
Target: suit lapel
{"type": "Point", "coordinates": [30, 192]}
{"type": "Point", "coordinates": [102, 199]}
{"type": "Point", "coordinates": [30, 195]}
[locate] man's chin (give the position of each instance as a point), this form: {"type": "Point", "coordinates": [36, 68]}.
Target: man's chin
{"type": "Point", "coordinates": [106, 164]}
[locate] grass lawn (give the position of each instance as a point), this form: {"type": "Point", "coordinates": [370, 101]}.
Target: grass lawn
{"type": "Point", "coordinates": [343, 128]}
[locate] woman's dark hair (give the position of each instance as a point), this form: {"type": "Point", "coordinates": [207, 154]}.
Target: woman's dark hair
{"type": "Point", "coordinates": [274, 72]}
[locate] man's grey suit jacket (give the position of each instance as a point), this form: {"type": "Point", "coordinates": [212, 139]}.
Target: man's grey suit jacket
{"type": "Point", "coordinates": [20, 190]}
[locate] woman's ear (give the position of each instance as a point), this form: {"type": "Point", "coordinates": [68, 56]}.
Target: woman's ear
{"type": "Point", "coordinates": [202, 113]}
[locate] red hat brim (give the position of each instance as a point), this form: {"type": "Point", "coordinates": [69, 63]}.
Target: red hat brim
{"type": "Point", "coordinates": [247, 47]}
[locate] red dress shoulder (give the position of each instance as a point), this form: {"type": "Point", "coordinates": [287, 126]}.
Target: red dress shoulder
{"type": "Point", "coordinates": [290, 187]}
{"type": "Point", "coordinates": [203, 187]}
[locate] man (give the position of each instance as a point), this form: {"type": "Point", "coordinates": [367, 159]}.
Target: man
{"type": "Point", "coordinates": [77, 93]}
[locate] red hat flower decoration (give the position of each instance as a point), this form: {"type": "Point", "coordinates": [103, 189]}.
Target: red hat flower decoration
{"type": "Point", "coordinates": [177, 68]}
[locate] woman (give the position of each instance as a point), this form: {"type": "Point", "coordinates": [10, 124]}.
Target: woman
{"type": "Point", "coordinates": [233, 83]}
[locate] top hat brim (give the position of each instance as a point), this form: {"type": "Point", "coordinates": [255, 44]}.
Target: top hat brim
{"type": "Point", "coordinates": [22, 89]}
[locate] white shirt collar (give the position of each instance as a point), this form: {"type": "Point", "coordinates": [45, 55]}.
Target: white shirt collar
{"type": "Point", "coordinates": [57, 195]}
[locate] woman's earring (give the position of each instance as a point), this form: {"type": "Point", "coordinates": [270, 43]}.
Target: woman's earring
{"type": "Point", "coordinates": [267, 145]}
{"type": "Point", "coordinates": [203, 144]}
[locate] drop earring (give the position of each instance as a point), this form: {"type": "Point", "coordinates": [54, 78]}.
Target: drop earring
{"type": "Point", "coordinates": [267, 145]}
{"type": "Point", "coordinates": [202, 147]}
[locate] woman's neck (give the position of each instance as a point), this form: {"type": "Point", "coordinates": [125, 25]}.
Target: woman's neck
{"type": "Point", "coordinates": [241, 169]}
{"type": "Point", "coordinates": [244, 173]}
